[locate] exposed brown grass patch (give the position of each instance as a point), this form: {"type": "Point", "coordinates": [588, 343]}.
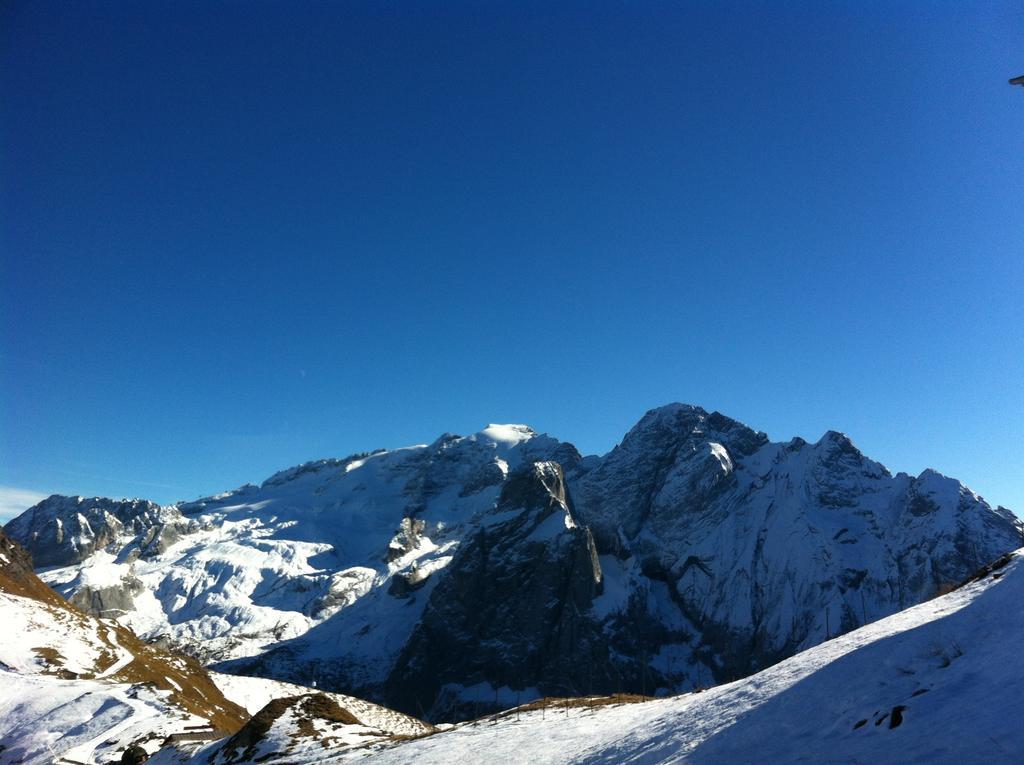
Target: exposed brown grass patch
{"type": "Point", "coordinates": [583, 701]}
{"type": "Point", "coordinates": [191, 689]}
{"type": "Point", "coordinates": [310, 707]}
{"type": "Point", "coordinates": [319, 706]}
{"type": "Point", "coordinates": [54, 662]}
{"type": "Point", "coordinates": [561, 703]}
{"type": "Point", "coordinates": [255, 730]}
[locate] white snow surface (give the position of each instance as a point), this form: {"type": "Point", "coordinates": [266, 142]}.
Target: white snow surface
{"type": "Point", "coordinates": [254, 693]}
{"type": "Point", "coordinates": [44, 717]}
{"type": "Point", "coordinates": [295, 734]}
{"type": "Point", "coordinates": [265, 564]}
{"type": "Point", "coordinates": [29, 627]}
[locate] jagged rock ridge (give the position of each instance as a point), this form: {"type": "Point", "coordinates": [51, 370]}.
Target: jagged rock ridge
{"type": "Point", "coordinates": [491, 568]}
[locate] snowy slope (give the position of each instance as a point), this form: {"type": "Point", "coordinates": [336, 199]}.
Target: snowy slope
{"type": "Point", "coordinates": [937, 683]}
{"type": "Point", "coordinates": [68, 689]}
{"type": "Point", "coordinates": [297, 728]}
{"type": "Point", "coordinates": [77, 687]}
{"type": "Point", "coordinates": [717, 553]}
{"type": "Point", "coordinates": [44, 714]}
{"type": "Point", "coordinates": [254, 693]}
{"type": "Point", "coordinates": [262, 564]}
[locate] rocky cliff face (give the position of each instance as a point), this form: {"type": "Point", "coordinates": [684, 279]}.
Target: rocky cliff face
{"type": "Point", "coordinates": [467, 574]}
{"type": "Point", "coordinates": [63, 531]}
{"type": "Point", "coordinates": [531, 573]}
{"type": "Point", "coordinates": [766, 549]}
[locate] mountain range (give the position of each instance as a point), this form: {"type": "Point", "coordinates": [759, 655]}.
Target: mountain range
{"type": "Point", "coordinates": [478, 572]}
{"type": "Point", "coordinates": [78, 689]}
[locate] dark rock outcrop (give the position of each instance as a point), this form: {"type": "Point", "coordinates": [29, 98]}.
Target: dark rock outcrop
{"type": "Point", "coordinates": [63, 531]}
{"type": "Point", "coordinates": [512, 609]}
{"type": "Point", "coordinates": [108, 602]}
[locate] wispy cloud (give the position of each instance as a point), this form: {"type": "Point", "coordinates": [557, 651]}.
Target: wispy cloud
{"type": "Point", "coordinates": [14, 501]}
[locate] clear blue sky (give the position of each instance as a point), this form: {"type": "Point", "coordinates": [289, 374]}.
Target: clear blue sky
{"type": "Point", "coordinates": [236, 236]}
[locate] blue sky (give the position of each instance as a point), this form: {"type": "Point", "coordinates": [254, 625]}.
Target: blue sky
{"type": "Point", "coordinates": [237, 236]}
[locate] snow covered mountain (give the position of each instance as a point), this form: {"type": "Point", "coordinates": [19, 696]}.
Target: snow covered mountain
{"type": "Point", "coordinates": [75, 687]}
{"type": "Point", "coordinates": [936, 684]}
{"type": "Point", "coordinates": [456, 578]}
{"type": "Point", "coordinates": [80, 689]}
{"type": "Point", "coordinates": [71, 531]}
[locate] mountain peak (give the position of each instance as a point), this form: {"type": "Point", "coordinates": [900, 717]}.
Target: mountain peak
{"type": "Point", "coordinates": [835, 436]}
{"type": "Point", "coordinates": [833, 439]}
{"type": "Point", "coordinates": [674, 423]}
{"type": "Point", "coordinates": [505, 435]}
{"type": "Point", "coordinates": [673, 410]}
{"type": "Point", "coordinates": [932, 482]}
